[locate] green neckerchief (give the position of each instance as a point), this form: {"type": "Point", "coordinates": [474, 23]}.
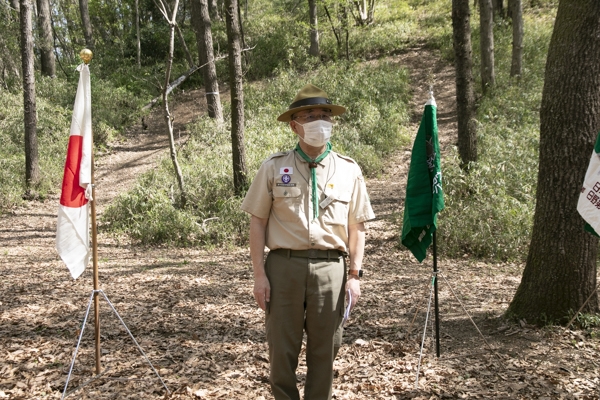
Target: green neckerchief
{"type": "Point", "coordinates": [312, 164]}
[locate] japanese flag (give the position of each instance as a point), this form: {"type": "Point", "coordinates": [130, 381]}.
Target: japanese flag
{"type": "Point", "coordinates": [72, 232]}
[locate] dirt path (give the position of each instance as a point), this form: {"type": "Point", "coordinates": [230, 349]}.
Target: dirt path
{"type": "Point", "coordinates": [193, 313]}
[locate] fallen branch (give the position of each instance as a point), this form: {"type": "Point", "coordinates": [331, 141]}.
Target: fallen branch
{"type": "Point", "coordinates": [182, 78]}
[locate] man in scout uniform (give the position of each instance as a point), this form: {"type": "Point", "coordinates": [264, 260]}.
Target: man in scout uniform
{"type": "Point", "coordinates": [308, 206]}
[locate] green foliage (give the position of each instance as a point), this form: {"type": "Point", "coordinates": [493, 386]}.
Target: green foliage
{"type": "Point", "coordinates": [53, 122]}
{"type": "Point", "coordinates": [586, 321]}
{"type": "Point", "coordinates": [489, 208]}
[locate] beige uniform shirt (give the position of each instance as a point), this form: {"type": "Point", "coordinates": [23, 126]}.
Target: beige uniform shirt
{"type": "Point", "coordinates": [281, 192]}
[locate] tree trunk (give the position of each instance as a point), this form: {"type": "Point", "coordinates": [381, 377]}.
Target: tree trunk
{"type": "Point", "coordinates": [86, 24]}
{"type": "Point", "coordinates": [213, 10]}
{"type": "Point", "coordinates": [237, 97]}
{"type": "Point", "coordinates": [498, 8]}
{"type": "Point", "coordinates": [46, 46]}
{"type": "Point", "coordinates": [516, 13]}
{"type": "Point", "coordinates": [32, 170]}
{"type": "Point", "coordinates": [138, 44]}
{"type": "Point", "coordinates": [314, 29]}
{"type": "Point", "coordinates": [486, 44]}
{"type": "Point", "coordinates": [203, 29]}
{"type": "Point", "coordinates": [560, 272]}
{"type": "Point", "coordinates": [465, 99]}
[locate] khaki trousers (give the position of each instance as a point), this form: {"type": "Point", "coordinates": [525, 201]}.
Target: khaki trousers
{"type": "Point", "coordinates": [306, 295]}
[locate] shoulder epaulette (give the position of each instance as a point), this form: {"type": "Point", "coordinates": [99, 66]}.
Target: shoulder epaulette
{"type": "Point", "coordinates": [346, 158]}
{"type": "Point", "coordinates": [276, 155]}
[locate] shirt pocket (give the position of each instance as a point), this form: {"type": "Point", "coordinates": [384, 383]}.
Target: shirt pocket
{"type": "Point", "coordinates": [336, 213]}
{"type": "Point", "coordinates": [287, 203]}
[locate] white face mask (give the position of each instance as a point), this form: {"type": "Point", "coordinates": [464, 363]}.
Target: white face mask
{"type": "Point", "coordinates": [317, 133]}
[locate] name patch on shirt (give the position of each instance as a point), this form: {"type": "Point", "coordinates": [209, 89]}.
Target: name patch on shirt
{"type": "Point", "coordinates": [286, 184]}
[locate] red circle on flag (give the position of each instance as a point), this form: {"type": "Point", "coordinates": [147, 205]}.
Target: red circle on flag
{"type": "Point", "coordinates": [286, 170]}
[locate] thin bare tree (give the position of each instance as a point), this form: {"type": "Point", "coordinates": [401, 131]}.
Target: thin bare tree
{"type": "Point", "coordinates": [172, 20]}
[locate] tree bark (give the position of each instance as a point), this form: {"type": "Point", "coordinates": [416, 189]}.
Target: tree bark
{"type": "Point", "coordinates": [560, 273]}
{"type": "Point", "coordinates": [314, 29]}
{"type": "Point", "coordinates": [203, 29]}
{"type": "Point", "coordinates": [86, 24]}
{"type": "Point", "coordinates": [465, 99]}
{"type": "Point", "coordinates": [46, 46]}
{"type": "Point", "coordinates": [138, 44]}
{"type": "Point", "coordinates": [32, 171]}
{"type": "Point", "coordinates": [516, 13]}
{"type": "Point", "coordinates": [486, 44]}
{"type": "Point", "coordinates": [213, 10]}
{"type": "Point", "coordinates": [498, 8]}
{"type": "Point", "coordinates": [240, 182]}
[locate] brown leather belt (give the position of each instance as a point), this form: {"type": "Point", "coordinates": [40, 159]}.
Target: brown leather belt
{"type": "Point", "coordinates": [312, 253]}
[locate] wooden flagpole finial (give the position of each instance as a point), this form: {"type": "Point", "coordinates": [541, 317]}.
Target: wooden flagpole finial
{"type": "Point", "coordinates": [86, 55]}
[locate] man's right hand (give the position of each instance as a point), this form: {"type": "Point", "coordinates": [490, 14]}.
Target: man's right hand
{"type": "Point", "coordinates": [262, 291]}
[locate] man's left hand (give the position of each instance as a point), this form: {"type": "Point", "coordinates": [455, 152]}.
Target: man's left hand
{"type": "Point", "coordinates": [353, 285]}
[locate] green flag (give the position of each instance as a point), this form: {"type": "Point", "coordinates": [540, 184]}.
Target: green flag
{"type": "Point", "coordinates": [424, 196]}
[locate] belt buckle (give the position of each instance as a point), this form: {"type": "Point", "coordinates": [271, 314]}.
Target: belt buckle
{"type": "Point", "coordinates": [313, 253]}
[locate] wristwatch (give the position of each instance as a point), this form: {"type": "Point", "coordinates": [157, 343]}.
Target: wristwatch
{"type": "Point", "coordinates": [356, 272]}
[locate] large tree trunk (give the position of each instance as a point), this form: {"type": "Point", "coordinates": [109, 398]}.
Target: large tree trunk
{"type": "Point", "coordinates": [465, 99]}
{"type": "Point", "coordinates": [240, 182]}
{"type": "Point", "coordinates": [86, 24]}
{"type": "Point", "coordinates": [486, 44]}
{"type": "Point", "coordinates": [32, 170]}
{"type": "Point", "coordinates": [516, 13]}
{"type": "Point", "coordinates": [203, 29]}
{"type": "Point", "coordinates": [46, 40]}
{"type": "Point", "coordinates": [314, 28]}
{"type": "Point", "coordinates": [560, 272]}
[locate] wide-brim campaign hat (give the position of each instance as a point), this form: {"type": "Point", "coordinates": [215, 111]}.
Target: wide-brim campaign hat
{"type": "Point", "coordinates": [309, 97]}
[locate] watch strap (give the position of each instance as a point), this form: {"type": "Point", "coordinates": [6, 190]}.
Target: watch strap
{"type": "Point", "coordinates": [356, 272]}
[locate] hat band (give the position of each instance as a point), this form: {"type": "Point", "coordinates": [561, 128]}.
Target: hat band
{"type": "Point", "coordinates": [309, 102]}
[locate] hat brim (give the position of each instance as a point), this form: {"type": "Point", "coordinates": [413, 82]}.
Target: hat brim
{"type": "Point", "coordinates": [335, 110]}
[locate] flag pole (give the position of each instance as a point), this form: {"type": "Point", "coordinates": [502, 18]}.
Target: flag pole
{"type": "Point", "coordinates": [86, 56]}
{"type": "Point", "coordinates": [435, 288]}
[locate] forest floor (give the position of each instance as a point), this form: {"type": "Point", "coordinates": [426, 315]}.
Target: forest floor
{"type": "Point", "coordinates": [193, 314]}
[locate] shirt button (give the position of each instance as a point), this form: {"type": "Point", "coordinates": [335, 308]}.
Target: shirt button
{"type": "Point", "coordinates": [312, 244]}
